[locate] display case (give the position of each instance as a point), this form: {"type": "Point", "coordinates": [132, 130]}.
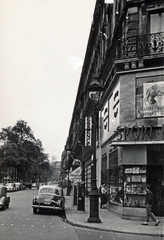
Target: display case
{"type": "Point", "coordinates": [134, 186]}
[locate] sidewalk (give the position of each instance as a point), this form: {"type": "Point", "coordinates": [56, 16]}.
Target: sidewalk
{"type": "Point", "coordinates": [110, 221]}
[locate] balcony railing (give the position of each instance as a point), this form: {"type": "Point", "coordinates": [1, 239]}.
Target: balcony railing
{"type": "Point", "coordinates": [142, 45]}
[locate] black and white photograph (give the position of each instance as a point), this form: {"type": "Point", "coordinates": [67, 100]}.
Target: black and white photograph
{"type": "Point", "coordinates": [82, 119]}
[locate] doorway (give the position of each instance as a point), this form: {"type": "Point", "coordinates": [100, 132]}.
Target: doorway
{"type": "Point", "coordinates": [155, 176]}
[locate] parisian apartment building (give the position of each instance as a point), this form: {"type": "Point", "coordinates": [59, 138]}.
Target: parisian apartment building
{"type": "Point", "coordinates": [125, 53]}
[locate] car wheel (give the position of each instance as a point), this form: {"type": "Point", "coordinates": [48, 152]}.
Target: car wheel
{"type": "Point", "coordinates": [34, 210]}
{"type": "Point", "coordinates": [3, 208]}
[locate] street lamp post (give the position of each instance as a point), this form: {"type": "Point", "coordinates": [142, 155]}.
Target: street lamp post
{"type": "Point", "coordinates": [81, 203]}
{"type": "Point", "coordinates": [68, 184]}
{"type": "Point", "coordinates": [94, 88]}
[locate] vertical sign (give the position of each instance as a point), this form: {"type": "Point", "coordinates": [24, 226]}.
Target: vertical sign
{"type": "Point", "coordinates": [115, 108]}
{"type": "Point", "coordinates": [88, 131]}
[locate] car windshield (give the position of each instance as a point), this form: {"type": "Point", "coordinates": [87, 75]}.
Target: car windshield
{"type": "Point", "coordinates": [49, 190]}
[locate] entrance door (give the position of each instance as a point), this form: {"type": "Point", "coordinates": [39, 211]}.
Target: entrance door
{"type": "Point", "coordinates": [155, 177]}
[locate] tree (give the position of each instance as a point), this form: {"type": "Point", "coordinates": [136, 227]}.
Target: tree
{"type": "Point", "coordinates": [21, 150]}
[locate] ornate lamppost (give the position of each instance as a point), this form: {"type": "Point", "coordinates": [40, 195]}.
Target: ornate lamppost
{"type": "Point", "coordinates": [81, 203]}
{"type": "Point", "coordinates": [94, 88]}
{"type": "Point", "coordinates": [68, 152]}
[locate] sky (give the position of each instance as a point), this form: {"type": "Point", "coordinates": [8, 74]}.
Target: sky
{"type": "Point", "coordinates": [42, 49]}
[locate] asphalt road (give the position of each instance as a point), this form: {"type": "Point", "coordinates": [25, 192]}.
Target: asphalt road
{"type": "Point", "coordinates": [19, 223]}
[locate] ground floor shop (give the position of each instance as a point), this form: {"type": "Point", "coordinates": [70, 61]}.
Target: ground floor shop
{"type": "Point", "coordinates": [129, 169]}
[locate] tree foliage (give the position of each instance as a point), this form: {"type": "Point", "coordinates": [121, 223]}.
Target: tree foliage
{"type": "Point", "coordinates": [22, 150]}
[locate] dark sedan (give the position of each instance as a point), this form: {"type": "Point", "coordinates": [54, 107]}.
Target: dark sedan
{"type": "Point", "coordinates": [4, 199]}
{"type": "Point", "coordinates": [49, 197]}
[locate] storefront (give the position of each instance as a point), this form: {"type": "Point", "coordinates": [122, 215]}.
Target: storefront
{"type": "Point", "coordinates": [136, 160]}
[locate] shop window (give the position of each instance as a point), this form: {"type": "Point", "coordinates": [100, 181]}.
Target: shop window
{"type": "Point", "coordinates": [116, 185]}
{"type": "Point", "coordinates": [104, 170]}
{"type": "Point", "coordinates": [134, 186]}
{"type": "Point", "coordinates": [115, 178]}
{"type": "Point", "coordinates": [88, 179]}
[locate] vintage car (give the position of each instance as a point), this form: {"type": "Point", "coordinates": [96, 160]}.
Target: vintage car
{"type": "Point", "coordinates": [4, 199]}
{"type": "Point", "coordinates": [18, 186]}
{"type": "Point", "coordinates": [10, 187]}
{"type": "Point", "coordinates": [49, 197]}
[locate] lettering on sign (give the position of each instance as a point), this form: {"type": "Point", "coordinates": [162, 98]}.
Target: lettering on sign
{"type": "Point", "coordinates": [88, 131]}
{"type": "Point", "coordinates": [136, 133]}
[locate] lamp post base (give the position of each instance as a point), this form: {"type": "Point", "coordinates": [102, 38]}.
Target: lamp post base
{"type": "Point", "coordinates": [94, 208]}
{"type": "Point", "coordinates": [68, 191]}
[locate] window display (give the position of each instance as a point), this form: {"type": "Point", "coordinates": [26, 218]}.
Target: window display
{"type": "Point", "coordinates": [134, 186]}
{"type": "Point", "coordinates": [116, 185]}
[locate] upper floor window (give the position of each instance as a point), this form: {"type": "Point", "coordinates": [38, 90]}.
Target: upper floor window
{"type": "Point", "coordinates": [156, 22]}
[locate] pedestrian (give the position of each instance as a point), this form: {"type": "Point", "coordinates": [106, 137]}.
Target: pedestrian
{"type": "Point", "coordinates": [149, 203]}
{"type": "Point", "coordinates": [102, 193]}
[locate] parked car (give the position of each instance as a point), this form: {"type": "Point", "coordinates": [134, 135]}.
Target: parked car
{"type": "Point", "coordinates": [23, 187]}
{"type": "Point", "coordinates": [18, 186]}
{"type": "Point", "coordinates": [10, 187]}
{"type": "Point", "coordinates": [4, 199]}
{"type": "Point", "coordinates": [49, 197]}
{"type": "Point", "coordinates": [35, 185]}
{"type": "Point", "coordinates": [27, 183]}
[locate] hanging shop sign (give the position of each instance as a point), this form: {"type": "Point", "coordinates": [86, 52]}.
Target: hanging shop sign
{"type": "Point", "coordinates": [134, 133]}
{"type": "Point", "coordinates": [88, 131]}
{"type": "Point", "coordinates": [76, 174]}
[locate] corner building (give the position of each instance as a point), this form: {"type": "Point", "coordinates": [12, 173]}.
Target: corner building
{"type": "Point", "coordinates": [132, 115]}
{"type": "Point", "coordinates": [126, 51]}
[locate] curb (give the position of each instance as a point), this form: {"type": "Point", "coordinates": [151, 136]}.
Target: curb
{"type": "Point", "coordinates": [111, 231]}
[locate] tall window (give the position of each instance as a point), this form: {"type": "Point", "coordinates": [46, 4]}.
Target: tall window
{"type": "Point", "coordinates": [156, 23]}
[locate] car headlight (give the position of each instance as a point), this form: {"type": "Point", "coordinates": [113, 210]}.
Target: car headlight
{"type": "Point", "coordinates": [59, 202]}
{"type": "Point", "coordinates": [35, 200]}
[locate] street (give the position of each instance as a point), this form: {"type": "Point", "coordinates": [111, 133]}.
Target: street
{"type": "Point", "coordinates": [19, 223]}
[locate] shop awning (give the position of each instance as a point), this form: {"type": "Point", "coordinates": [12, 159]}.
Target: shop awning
{"type": "Point", "coordinates": [128, 143]}
{"type": "Point", "coordinates": [75, 175]}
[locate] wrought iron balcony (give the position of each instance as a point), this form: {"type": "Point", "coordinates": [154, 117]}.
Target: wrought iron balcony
{"type": "Point", "coordinates": [142, 45]}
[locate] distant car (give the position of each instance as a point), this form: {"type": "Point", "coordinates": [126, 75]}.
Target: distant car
{"type": "Point", "coordinates": [35, 185]}
{"type": "Point", "coordinates": [4, 199]}
{"type": "Point", "coordinates": [18, 186]}
{"type": "Point", "coordinates": [49, 197]}
{"type": "Point", "coordinates": [27, 183]}
{"type": "Point", "coordinates": [10, 187]}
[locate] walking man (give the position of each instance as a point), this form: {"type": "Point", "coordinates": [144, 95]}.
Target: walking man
{"type": "Point", "coordinates": [102, 192]}
{"type": "Point", "coordinates": [149, 203]}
